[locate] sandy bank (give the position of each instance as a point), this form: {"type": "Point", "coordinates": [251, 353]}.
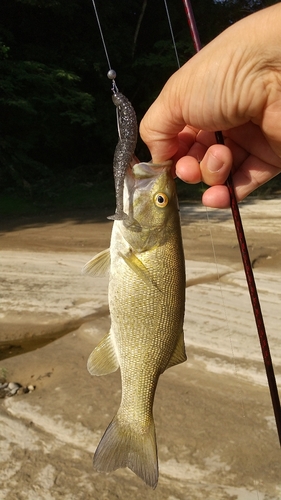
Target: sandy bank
{"type": "Point", "coordinates": [213, 414]}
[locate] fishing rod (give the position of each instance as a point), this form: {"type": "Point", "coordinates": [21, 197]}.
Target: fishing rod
{"type": "Point", "coordinates": [245, 256]}
{"type": "Point", "coordinates": [236, 217]}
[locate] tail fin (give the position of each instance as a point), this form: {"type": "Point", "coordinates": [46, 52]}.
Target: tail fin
{"type": "Point", "coordinates": [121, 446]}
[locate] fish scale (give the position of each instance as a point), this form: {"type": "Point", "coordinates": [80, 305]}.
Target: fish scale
{"type": "Point", "coordinates": [146, 302]}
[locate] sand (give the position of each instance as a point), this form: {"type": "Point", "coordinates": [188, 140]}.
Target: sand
{"type": "Point", "coordinates": [215, 428]}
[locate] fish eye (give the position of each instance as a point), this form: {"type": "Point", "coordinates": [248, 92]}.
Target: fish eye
{"type": "Point", "coordinates": [161, 200]}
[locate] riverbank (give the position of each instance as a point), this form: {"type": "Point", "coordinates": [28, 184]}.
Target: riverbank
{"type": "Point", "coordinates": [214, 421]}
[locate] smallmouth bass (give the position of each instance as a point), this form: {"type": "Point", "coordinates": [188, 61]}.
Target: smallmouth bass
{"type": "Point", "coordinates": [146, 302]}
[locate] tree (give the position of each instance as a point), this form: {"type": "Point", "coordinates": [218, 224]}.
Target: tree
{"type": "Point", "coordinates": [55, 102]}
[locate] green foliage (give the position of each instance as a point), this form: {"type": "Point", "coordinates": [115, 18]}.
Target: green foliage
{"type": "Point", "coordinates": [56, 112]}
{"type": "Point", "coordinates": [40, 108]}
{"type": "Point", "coordinates": [4, 50]}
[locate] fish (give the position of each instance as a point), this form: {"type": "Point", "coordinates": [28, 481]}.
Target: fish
{"type": "Point", "coordinates": [146, 296]}
{"type": "Point", "coordinates": [124, 151]}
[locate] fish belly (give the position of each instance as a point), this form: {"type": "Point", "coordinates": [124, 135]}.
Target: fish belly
{"type": "Point", "coordinates": [147, 333]}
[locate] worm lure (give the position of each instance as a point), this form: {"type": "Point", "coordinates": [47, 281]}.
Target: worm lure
{"type": "Point", "coordinates": [124, 151]}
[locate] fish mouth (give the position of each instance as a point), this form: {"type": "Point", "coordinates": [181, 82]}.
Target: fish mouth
{"type": "Point", "coordinates": [132, 224]}
{"type": "Point", "coordinates": [149, 233]}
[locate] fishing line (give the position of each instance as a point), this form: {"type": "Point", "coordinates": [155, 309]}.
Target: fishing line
{"type": "Point", "coordinates": [245, 259]}
{"type": "Point", "coordinates": [209, 228]}
{"type": "Point", "coordinates": [222, 296]}
{"type": "Point", "coordinates": [243, 248]}
{"type": "Point", "coordinates": [101, 34]}
{"type": "Point", "coordinates": [246, 262]}
{"type": "Point", "coordinates": [111, 73]}
{"type": "Point", "coordinates": [172, 33]}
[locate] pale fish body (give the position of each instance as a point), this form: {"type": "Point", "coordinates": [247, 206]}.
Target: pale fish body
{"type": "Point", "coordinates": [146, 301]}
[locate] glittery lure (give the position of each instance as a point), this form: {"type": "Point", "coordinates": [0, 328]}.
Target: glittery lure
{"type": "Point", "coordinates": [124, 151]}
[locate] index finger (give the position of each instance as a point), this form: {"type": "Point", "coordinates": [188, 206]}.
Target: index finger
{"type": "Point", "coordinates": [160, 127]}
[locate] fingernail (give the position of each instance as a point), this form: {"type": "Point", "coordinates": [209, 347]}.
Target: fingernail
{"type": "Point", "coordinates": [214, 164]}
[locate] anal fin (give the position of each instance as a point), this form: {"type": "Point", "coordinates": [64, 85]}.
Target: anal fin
{"type": "Point", "coordinates": [179, 354]}
{"type": "Point", "coordinates": [103, 359]}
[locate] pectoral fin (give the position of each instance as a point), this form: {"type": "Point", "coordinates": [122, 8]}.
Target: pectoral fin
{"type": "Point", "coordinates": [179, 354]}
{"type": "Point", "coordinates": [103, 359]}
{"type": "Point", "coordinates": [98, 265]}
{"type": "Point", "coordinates": [138, 267]}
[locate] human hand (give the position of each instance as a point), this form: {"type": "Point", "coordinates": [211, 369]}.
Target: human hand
{"type": "Point", "coordinates": [234, 85]}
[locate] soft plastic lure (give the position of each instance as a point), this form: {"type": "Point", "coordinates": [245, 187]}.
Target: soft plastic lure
{"type": "Point", "coordinates": [124, 151]}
